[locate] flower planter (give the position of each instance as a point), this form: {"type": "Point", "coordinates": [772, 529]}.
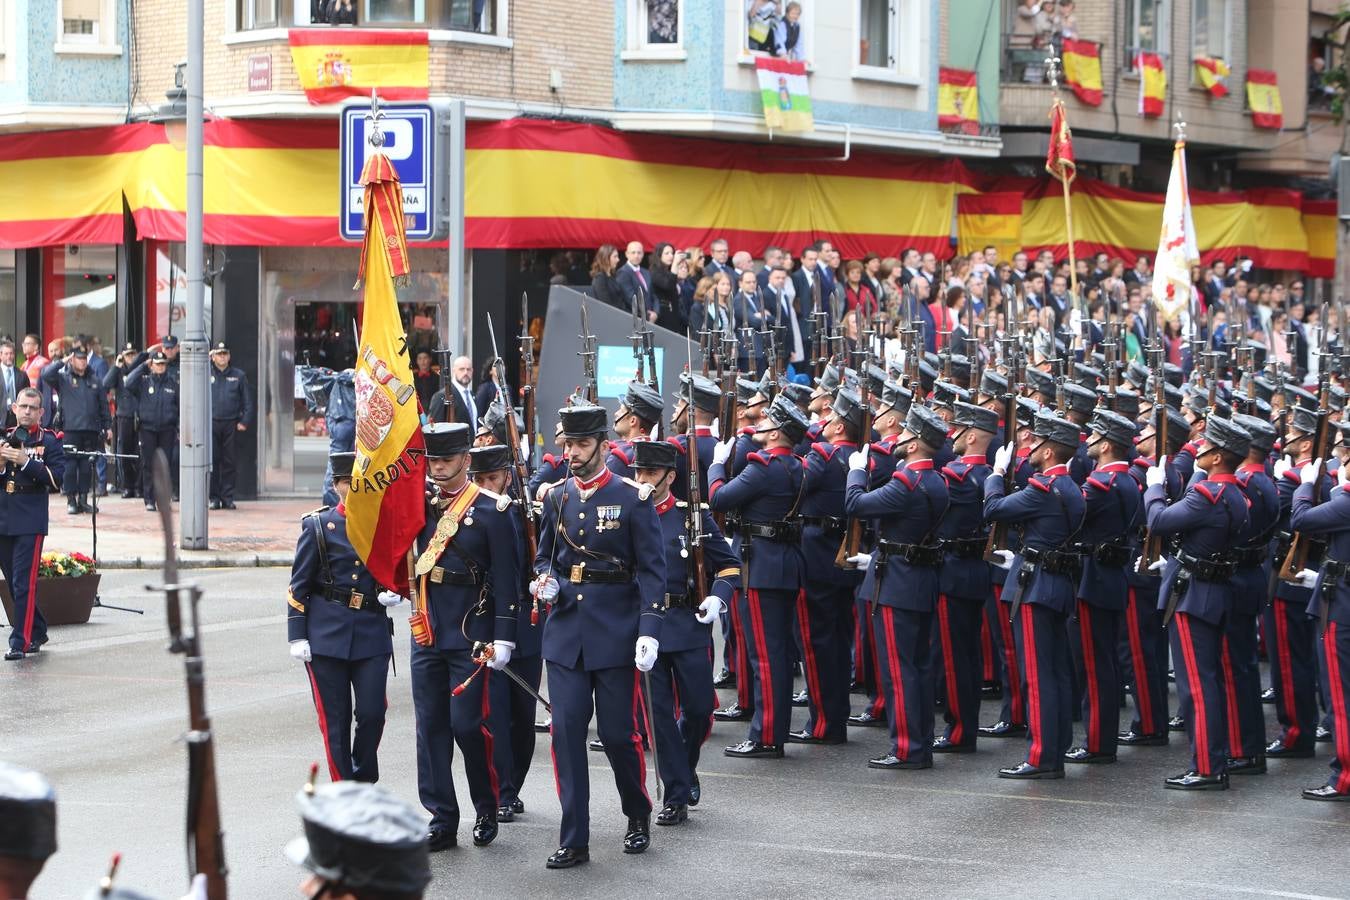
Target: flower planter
{"type": "Point", "coordinates": [63, 601]}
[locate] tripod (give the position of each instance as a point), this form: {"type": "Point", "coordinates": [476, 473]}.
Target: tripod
{"type": "Point", "coordinates": [93, 457]}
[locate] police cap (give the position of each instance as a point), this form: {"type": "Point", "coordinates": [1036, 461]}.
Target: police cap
{"type": "Point", "coordinates": [342, 463]}
{"type": "Point", "coordinates": [1051, 427]}
{"type": "Point", "coordinates": [784, 416]}
{"type": "Point", "coordinates": [219, 348]}
{"type": "Point", "coordinates": [169, 340]}
{"type": "Point", "coordinates": [362, 836]}
{"type": "Point", "coordinates": [945, 394]}
{"type": "Point", "coordinates": [1078, 398]}
{"type": "Point", "coordinates": [644, 402]}
{"type": "Point", "coordinates": [848, 406]}
{"type": "Point", "coordinates": [27, 814]}
{"type": "Point", "coordinates": [446, 439]}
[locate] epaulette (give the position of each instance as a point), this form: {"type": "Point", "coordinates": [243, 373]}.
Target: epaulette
{"type": "Point", "coordinates": [1208, 494]}
{"type": "Point", "coordinates": [503, 502]}
{"type": "Point", "coordinates": [1035, 481]}
{"type": "Point", "coordinates": [948, 471]}
{"type": "Point", "coordinates": [644, 490]}
{"type": "Point", "coordinates": [1092, 480]}
{"type": "Point", "coordinates": [1190, 448]}
{"type": "Point", "coordinates": [826, 450]}
{"type": "Point", "coordinates": [756, 456]}
{"type": "Point", "coordinates": [1243, 478]}
{"type": "Point", "coordinates": [899, 474]}
{"type": "Point", "coordinates": [550, 459]}
{"type": "Point", "coordinates": [623, 453]}
{"type": "Point", "coordinates": [678, 446]}
{"type": "Point", "coordinates": [321, 509]}
{"type": "Point", "coordinates": [1293, 476]}
{"type": "Point", "coordinates": [544, 489]}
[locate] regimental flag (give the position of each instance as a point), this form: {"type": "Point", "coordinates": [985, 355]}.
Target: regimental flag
{"type": "Point", "coordinates": [993, 218]}
{"type": "Point", "coordinates": [787, 99]}
{"type": "Point", "coordinates": [1263, 96]}
{"type": "Point", "coordinates": [958, 100]}
{"type": "Point", "coordinates": [1059, 160]}
{"type": "Point", "coordinates": [1083, 70]}
{"type": "Point", "coordinates": [1152, 85]}
{"type": "Point", "coordinates": [1211, 73]}
{"type": "Point", "coordinates": [336, 63]}
{"type": "Point", "coordinates": [1177, 249]}
{"type": "Point", "coordinates": [385, 506]}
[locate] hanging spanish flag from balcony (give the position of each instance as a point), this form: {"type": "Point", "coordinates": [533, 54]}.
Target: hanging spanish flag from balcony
{"type": "Point", "coordinates": [1211, 74]}
{"type": "Point", "coordinates": [1263, 97]}
{"type": "Point", "coordinates": [1083, 70]}
{"type": "Point", "coordinates": [787, 99]}
{"type": "Point", "coordinates": [958, 100]}
{"type": "Point", "coordinates": [336, 63]}
{"type": "Point", "coordinates": [1152, 85]}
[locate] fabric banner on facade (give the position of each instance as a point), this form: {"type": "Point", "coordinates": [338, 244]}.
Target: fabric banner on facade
{"type": "Point", "coordinates": [1083, 70]}
{"type": "Point", "coordinates": [1211, 73]}
{"type": "Point", "coordinates": [336, 63]}
{"type": "Point", "coordinates": [989, 219]}
{"type": "Point", "coordinates": [1319, 224]}
{"type": "Point", "coordinates": [786, 96]}
{"type": "Point", "coordinates": [1152, 85]}
{"type": "Point", "coordinates": [958, 100]}
{"type": "Point", "coordinates": [1263, 97]}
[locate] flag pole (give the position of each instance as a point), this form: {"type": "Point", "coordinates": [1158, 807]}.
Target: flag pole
{"type": "Point", "coordinates": [1052, 64]}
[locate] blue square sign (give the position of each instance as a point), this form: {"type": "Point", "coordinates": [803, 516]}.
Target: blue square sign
{"type": "Point", "coordinates": [410, 141]}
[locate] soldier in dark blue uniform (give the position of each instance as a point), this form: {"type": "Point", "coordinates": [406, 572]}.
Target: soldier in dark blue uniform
{"type": "Point", "coordinates": [84, 419]}
{"type": "Point", "coordinates": [902, 581]}
{"type": "Point", "coordinates": [1113, 514]}
{"type": "Point", "coordinates": [468, 581]}
{"type": "Point", "coordinates": [707, 400]}
{"type": "Point", "coordinates": [964, 584]}
{"type": "Point", "coordinates": [552, 466]}
{"type": "Point", "coordinates": [511, 719]}
{"type": "Point", "coordinates": [1197, 592]}
{"type": "Point", "coordinates": [34, 464]}
{"type": "Point", "coordinates": [231, 414]}
{"type": "Point", "coordinates": [156, 389]}
{"type": "Point", "coordinates": [640, 411]}
{"type": "Point", "coordinates": [682, 677]}
{"type": "Point", "coordinates": [596, 566]}
{"type": "Point", "coordinates": [124, 422]}
{"type": "Point", "coordinates": [1079, 404]}
{"type": "Point", "coordinates": [28, 837]}
{"type": "Point", "coordinates": [1044, 576]}
{"type": "Point", "coordinates": [1330, 606]}
{"type": "Point", "coordinates": [337, 626]}
{"type": "Point", "coordinates": [765, 495]}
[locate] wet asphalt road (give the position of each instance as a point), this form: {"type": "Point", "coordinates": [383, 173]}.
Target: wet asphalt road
{"type": "Point", "coordinates": [102, 712]}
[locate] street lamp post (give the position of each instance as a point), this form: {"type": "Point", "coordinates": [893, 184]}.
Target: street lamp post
{"type": "Point", "coordinates": [195, 426]}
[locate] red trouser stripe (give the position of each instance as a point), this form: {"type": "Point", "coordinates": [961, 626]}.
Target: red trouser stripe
{"type": "Point", "coordinates": [1340, 725]}
{"type": "Point", "coordinates": [897, 686]}
{"type": "Point", "coordinates": [1143, 690]}
{"type": "Point", "coordinates": [31, 609]}
{"type": "Point", "coordinates": [949, 667]}
{"type": "Point", "coordinates": [1284, 656]}
{"type": "Point", "coordinates": [1033, 685]}
{"type": "Point", "coordinates": [986, 649]}
{"type": "Point", "coordinates": [487, 737]}
{"type": "Point", "coordinates": [333, 774]}
{"type": "Point", "coordinates": [1015, 707]}
{"type": "Point", "coordinates": [745, 689]}
{"type": "Point", "coordinates": [1094, 722]}
{"type": "Point", "coordinates": [812, 667]}
{"type": "Point", "coordinates": [639, 708]}
{"type": "Point", "coordinates": [1235, 747]}
{"type": "Point", "coordinates": [1200, 723]}
{"type": "Point", "coordinates": [765, 668]}
{"type": "Point", "coordinates": [879, 703]}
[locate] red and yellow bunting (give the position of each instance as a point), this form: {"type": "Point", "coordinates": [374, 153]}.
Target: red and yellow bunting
{"type": "Point", "coordinates": [336, 63]}
{"type": "Point", "coordinates": [1083, 70]}
{"type": "Point", "coordinates": [1263, 97]}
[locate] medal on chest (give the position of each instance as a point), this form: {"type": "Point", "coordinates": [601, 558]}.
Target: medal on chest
{"type": "Point", "coordinates": [607, 518]}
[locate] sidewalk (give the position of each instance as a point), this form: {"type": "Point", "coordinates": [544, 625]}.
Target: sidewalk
{"type": "Point", "coordinates": [258, 533]}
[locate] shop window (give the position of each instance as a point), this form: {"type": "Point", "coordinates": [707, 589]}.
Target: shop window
{"type": "Point", "coordinates": [776, 29]}
{"type": "Point", "coordinates": [166, 290]}
{"type": "Point", "coordinates": [79, 292]}
{"type": "Point", "coordinates": [1146, 29]}
{"type": "Point", "coordinates": [8, 285]}
{"type": "Point", "coordinates": [86, 26]}
{"type": "Point", "coordinates": [655, 28]}
{"type": "Point", "coordinates": [888, 44]}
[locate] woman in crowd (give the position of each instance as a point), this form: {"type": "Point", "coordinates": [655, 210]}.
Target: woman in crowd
{"type": "Point", "coordinates": [857, 293]}
{"type": "Point", "coordinates": [603, 285]}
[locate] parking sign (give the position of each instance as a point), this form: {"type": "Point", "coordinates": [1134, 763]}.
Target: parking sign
{"type": "Point", "coordinates": [412, 141]}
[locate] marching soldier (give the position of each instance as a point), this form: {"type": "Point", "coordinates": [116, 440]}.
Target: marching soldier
{"type": "Point", "coordinates": [1196, 591]}
{"type": "Point", "coordinates": [468, 565]}
{"type": "Point", "coordinates": [707, 402]}
{"type": "Point", "coordinates": [635, 420]}
{"type": "Point", "coordinates": [964, 582]}
{"type": "Point", "coordinates": [1044, 575]}
{"type": "Point", "coordinates": [511, 720]}
{"type": "Point", "coordinates": [155, 387]}
{"type": "Point", "coordinates": [34, 463]}
{"type": "Point", "coordinates": [682, 676]}
{"type": "Point", "coordinates": [337, 626]}
{"type": "Point", "coordinates": [552, 467]}
{"type": "Point", "coordinates": [594, 564]}
{"type": "Point", "coordinates": [231, 414]}
{"type": "Point", "coordinates": [84, 418]}
{"type": "Point", "coordinates": [27, 828]}
{"type": "Point", "coordinates": [1113, 505]}
{"type": "Point", "coordinates": [765, 494]}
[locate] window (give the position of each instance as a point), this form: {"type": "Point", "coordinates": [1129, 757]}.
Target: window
{"type": "Point", "coordinates": [87, 26]}
{"type": "Point", "coordinates": [1211, 29]}
{"type": "Point", "coordinates": [454, 15]}
{"type": "Point", "coordinates": [781, 29]}
{"type": "Point", "coordinates": [79, 291]}
{"type": "Point", "coordinates": [270, 13]}
{"type": "Point", "coordinates": [7, 290]}
{"type": "Point", "coordinates": [655, 28]}
{"type": "Point", "coordinates": [876, 34]}
{"type": "Point", "coordinates": [888, 38]}
{"type": "Point", "coordinates": [1145, 29]}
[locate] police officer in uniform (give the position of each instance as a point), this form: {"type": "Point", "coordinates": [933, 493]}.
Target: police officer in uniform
{"type": "Point", "coordinates": [1041, 584]}
{"type": "Point", "coordinates": [27, 828]}
{"type": "Point", "coordinates": [34, 464]}
{"type": "Point", "coordinates": [1197, 593]}
{"type": "Point", "coordinates": [337, 626]}
{"type": "Point", "coordinates": [636, 418]}
{"type": "Point", "coordinates": [155, 387]}
{"type": "Point", "coordinates": [468, 584]}
{"type": "Point", "coordinates": [124, 422]}
{"type": "Point", "coordinates": [682, 677]}
{"type": "Point", "coordinates": [84, 418]}
{"type": "Point", "coordinates": [766, 495]}
{"type": "Point", "coordinates": [903, 581]}
{"type": "Point", "coordinates": [596, 566]}
{"type": "Point", "coordinates": [231, 413]}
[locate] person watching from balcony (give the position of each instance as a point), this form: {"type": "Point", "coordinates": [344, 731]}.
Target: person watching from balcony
{"type": "Point", "coordinates": [341, 12]}
{"type": "Point", "coordinates": [762, 19]}
{"type": "Point", "coordinates": [789, 42]}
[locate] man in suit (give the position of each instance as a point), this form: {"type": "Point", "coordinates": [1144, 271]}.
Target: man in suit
{"type": "Point", "coordinates": [1059, 299]}
{"type": "Point", "coordinates": [748, 310]}
{"type": "Point", "coordinates": [718, 259]}
{"type": "Point", "coordinates": [773, 257]}
{"type": "Point", "coordinates": [825, 250]}
{"type": "Point", "coordinates": [462, 407]}
{"type": "Point", "coordinates": [809, 285]}
{"type": "Point", "coordinates": [634, 280]}
{"type": "Point", "coordinates": [776, 299]}
{"type": "Point", "coordinates": [12, 379]}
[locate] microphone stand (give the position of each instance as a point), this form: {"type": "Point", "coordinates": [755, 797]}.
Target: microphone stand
{"type": "Point", "coordinates": [93, 457]}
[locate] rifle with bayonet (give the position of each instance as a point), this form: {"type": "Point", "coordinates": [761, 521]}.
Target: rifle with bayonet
{"type": "Point", "coordinates": [637, 340]}
{"type": "Point", "coordinates": [726, 415]}
{"type": "Point", "coordinates": [1297, 559]}
{"type": "Point", "coordinates": [1012, 360]}
{"type": "Point", "coordinates": [527, 376]}
{"type": "Point", "coordinates": [649, 351]}
{"type": "Point", "coordinates": [851, 545]}
{"type": "Point", "coordinates": [588, 354]}
{"type": "Point", "coordinates": [697, 573]}
{"type": "Point", "coordinates": [1152, 548]}
{"type": "Point", "coordinates": [519, 470]}
{"type": "Point", "coordinates": [445, 359]}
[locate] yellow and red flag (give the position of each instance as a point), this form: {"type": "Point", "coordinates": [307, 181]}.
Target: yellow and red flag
{"type": "Point", "coordinates": [1152, 85]}
{"type": "Point", "coordinates": [992, 218]}
{"type": "Point", "coordinates": [1059, 160]}
{"type": "Point", "coordinates": [958, 100]}
{"type": "Point", "coordinates": [385, 507]}
{"type": "Point", "coordinates": [336, 63]}
{"type": "Point", "coordinates": [1083, 70]}
{"type": "Point", "coordinates": [1211, 73]}
{"type": "Point", "coordinates": [1263, 96]}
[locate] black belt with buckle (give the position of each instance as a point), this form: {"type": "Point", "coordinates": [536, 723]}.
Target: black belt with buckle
{"type": "Point", "coordinates": [579, 574]}
{"type": "Point", "coordinates": [351, 599]}
{"type": "Point", "coordinates": [1248, 557]}
{"type": "Point", "coordinates": [781, 532]}
{"type": "Point", "coordinates": [1212, 571]}
{"type": "Point", "coordinates": [439, 575]}
{"type": "Point", "coordinates": [830, 526]}
{"type": "Point", "coordinates": [1053, 562]}
{"type": "Point", "coordinates": [1108, 554]}
{"type": "Point", "coordinates": [914, 554]}
{"type": "Point", "coordinates": [965, 548]}
{"type": "Point", "coordinates": [679, 601]}
{"type": "Point", "coordinates": [12, 488]}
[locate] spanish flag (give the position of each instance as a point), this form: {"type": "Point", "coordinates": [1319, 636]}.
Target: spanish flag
{"type": "Point", "coordinates": [958, 100]}
{"type": "Point", "coordinates": [336, 63]}
{"type": "Point", "coordinates": [1152, 85]}
{"type": "Point", "coordinates": [1211, 73]}
{"type": "Point", "coordinates": [1263, 96]}
{"type": "Point", "coordinates": [385, 507]}
{"type": "Point", "coordinates": [985, 219]}
{"type": "Point", "coordinates": [1083, 70]}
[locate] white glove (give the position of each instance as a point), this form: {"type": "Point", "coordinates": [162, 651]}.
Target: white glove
{"type": "Point", "coordinates": [1005, 559]}
{"type": "Point", "coordinates": [389, 598]}
{"type": "Point", "coordinates": [858, 459]}
{"type": "Point", "coordinates": [1307, 577]}
{"type": "Point", "coordinates": [198, 889]}
{"type": "Point", "coordinates": [1002, 457]}
{"type": "Point", "coordinates": [708, 610]}
{"type": "Point", "coordinates": [1156, 476]}
{"type": "Point", "coordinates": [544, 588]}
{"type": "Point", "coordinates": [861, 561]}
{"type": "Point", "coordinates": [722, 452]}
{"type": "Point", "coordinates": [1308, 474]}
{"type": "Point", "coordinates": [300, 651]}
{"type": "Point", "coordinates": [645, 657]}
{"type": "Point", "coordinates": [501, 655]}
{"type": "Point", "coordinates": [1282, 466]}
{"type": "Point", "coordinates": [1343, 474]}
{"type": "Point", "coordinates": [1158, 564]}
